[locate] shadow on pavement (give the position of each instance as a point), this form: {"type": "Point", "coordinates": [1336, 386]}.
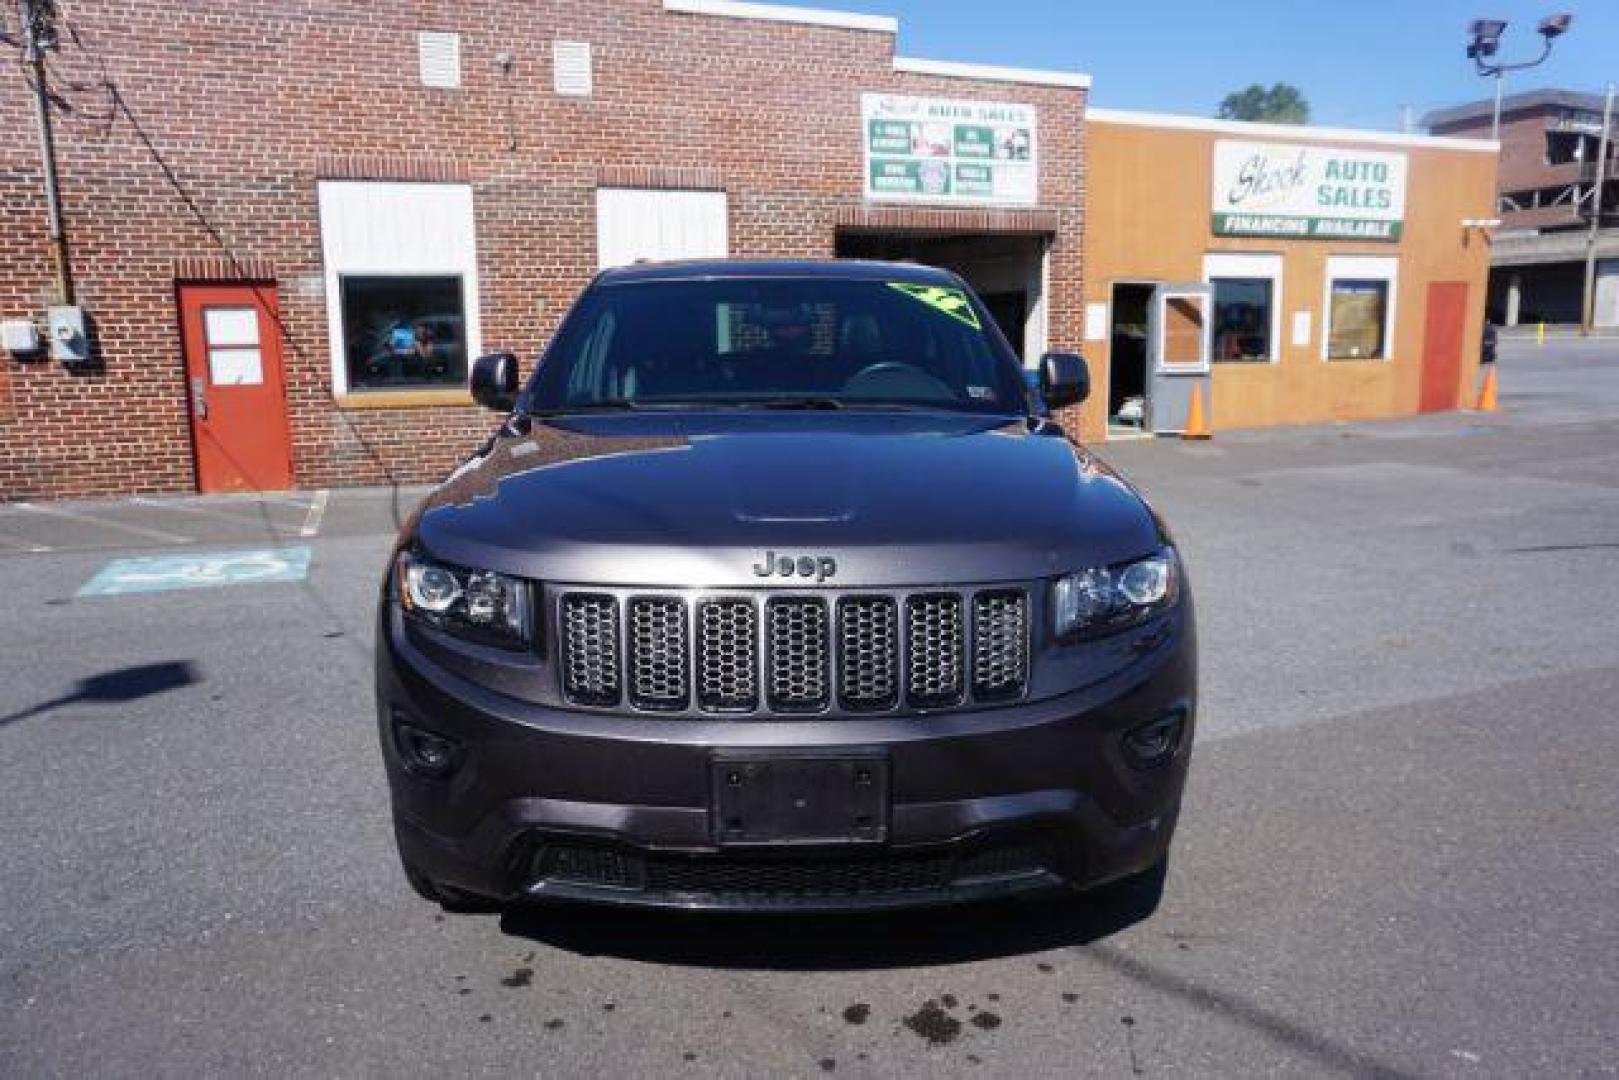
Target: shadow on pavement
{"type": "Point", "coordinates": [117, 687]}
{"type": "Point", "coordinates": [787, 942]}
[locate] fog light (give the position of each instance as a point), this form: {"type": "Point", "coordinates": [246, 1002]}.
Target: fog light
{"type": "Point", "coordinates": [1155, 742]}
{"type": "Point", "coordinates": [424, 752]}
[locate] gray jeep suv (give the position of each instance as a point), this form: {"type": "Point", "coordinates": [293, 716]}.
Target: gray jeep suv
{"type": "Point", "coordinates": [778, 588]}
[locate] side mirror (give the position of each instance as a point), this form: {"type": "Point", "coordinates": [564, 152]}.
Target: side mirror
{"type": "Point", "coordinates": [1064, 379]}
{"type": "Point", "coordinates": [494, 381]}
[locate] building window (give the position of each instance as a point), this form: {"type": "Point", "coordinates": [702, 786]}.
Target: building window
{"type": "Point", "coordinates": [1359, 305]}
{"type": "Point", "coordinates": [1247, 306]}
{"type": "Point", "coordinates": [1357, 312]}
{"type": "Point", "coordinates": [403, 332]}
{"type": "Point", "coordinates": [401, 285]}
{"type": "Point", "coordinates": [1242, 315]}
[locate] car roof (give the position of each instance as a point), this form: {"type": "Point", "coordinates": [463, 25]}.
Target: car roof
{"type": "Point", "coordinates": [827, 269]}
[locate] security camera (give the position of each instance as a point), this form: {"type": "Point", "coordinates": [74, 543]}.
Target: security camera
{"type": "Point", "coordinates": [1555, 25]}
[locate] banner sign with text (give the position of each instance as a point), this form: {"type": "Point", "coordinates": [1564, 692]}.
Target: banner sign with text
{"type": "Point", "coordinates": [944, 151]}
{"type": "Point", "coordinates": [1307, 192]}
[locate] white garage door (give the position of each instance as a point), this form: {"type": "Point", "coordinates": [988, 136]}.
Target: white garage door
{"type": "Point", "coordinates": [639, 223]}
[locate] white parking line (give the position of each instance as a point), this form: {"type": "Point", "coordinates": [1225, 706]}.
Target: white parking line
{"type": "Point", "coordinates": [317, 510]}
{"type": "Point", "coordinates": [246, 518]}
{"type": "Point", "coordinates": [118, 526]}
{"type": "Point", "coordinates": [21, 544]}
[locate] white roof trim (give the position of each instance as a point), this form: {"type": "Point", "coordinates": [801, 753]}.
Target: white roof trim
{"type": "Point", "coordinates": [956, 70]}
{"type": "Point", "coordinates": [736, 9]}
{"type": "Point", "coordinates": [1289, 131]}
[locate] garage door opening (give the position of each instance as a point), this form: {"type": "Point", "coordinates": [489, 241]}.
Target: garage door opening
{"type": "Point", "coordinates": [1006, 270]}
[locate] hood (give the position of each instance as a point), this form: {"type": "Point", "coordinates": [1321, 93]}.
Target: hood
{"type": "Point", "coordinates": [892, 499]}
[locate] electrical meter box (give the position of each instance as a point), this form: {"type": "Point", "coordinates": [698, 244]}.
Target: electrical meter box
{"type": "Point", "coordinates": [69, 343]}
{"type": "Point", "coordinates": [20, 338]}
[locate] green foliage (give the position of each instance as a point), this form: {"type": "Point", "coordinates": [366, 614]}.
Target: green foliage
{"type": "Point", "coordinates": [1282, 103]}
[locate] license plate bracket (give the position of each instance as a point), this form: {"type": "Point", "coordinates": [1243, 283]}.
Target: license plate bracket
{"type": "Point", "coordinates": [770, 797]}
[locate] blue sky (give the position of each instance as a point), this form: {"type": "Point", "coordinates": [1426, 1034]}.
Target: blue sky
{"type": "Point", "coordinates": [1358, 61]}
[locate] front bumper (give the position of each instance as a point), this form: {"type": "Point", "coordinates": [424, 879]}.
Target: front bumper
{"type": "Point", "coordinates": [553, 804]}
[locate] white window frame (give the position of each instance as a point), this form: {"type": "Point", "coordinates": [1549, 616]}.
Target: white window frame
{"type": "Point", "coordinates": [1245, 264]}
{"type": "Point", "coordinates": [388, 229]}
{"type": "Point", "coordinates": [1385, 268]}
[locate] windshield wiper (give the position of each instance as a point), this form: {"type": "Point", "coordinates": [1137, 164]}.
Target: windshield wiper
{"type": "Point", "coordinates": [790, 403]}
{"type": "Point", "coordinates": [605, 405]}
{"type": "Point", "coordinates": [616, 405]}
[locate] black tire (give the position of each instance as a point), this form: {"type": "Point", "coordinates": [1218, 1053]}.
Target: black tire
{"type": "Point", "coordinates": [448, 897]}
{"type": "Point", "coordinates": [1134, 897]}
{"type": "Point", "coordinates": [424, 886]}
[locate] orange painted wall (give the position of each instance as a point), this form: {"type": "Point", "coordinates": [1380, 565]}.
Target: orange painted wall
{"type": "Point", "coordinates": [1148, 218]}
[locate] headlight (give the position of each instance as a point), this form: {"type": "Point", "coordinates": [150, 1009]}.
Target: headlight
{"type": "Point", "coordinates": [479, 605]}
{"type": "Point", "coordinates": [1094, 602]}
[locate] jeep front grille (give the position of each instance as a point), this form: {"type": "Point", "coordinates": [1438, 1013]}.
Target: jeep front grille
{"type": "Point", "coordinates": [727, 655]}
{"type": "Point", "coordinates": [800, 654]}
{"type": "Point", "coordinates": [658, 652]}
{"type": "Point", "coordinates": [868, 652]}
{"type": "Point", "coordinates": [935, 637]}
{"type": "Point", "coordinates": [1000, 644]}
{"type": "Point", "coordinates": [794, 653]}
{"type": "Point", "coordinates": [590, 648]}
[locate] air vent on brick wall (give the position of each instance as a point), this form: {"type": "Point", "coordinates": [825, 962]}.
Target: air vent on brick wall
{"type": "Point", "coordinates": [439, 56]}
{"type": "Point", "coordinates": [570, 66]}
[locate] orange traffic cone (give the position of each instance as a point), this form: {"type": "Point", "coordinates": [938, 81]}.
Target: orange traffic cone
{"type": "Point", "coordinates": [1486, 397]}
{"type": "Point", "coordinates": [1196, 426]}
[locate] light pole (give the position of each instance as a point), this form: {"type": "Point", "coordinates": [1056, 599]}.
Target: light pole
{"type": "Point", "coordinates": [1486, 40]}
{"type": "Point", "coordinates": [1588, 294]}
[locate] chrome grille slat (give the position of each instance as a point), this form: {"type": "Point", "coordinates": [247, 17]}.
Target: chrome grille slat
{"type": "Point", "coordinates": [727, 655]}
{"type": "Point", "coordinates": [868, 652]}
{"type": "Point", "coordinates": [658, 652]}
{"type": "Point", "coordinates": [590, 661]}
{"type": "Point", "coordinates": [800, 654]}
{"type": "Point", "coordinates": [935, 649]}
{"type": "Point", "coordinates": [681, 651]}
{"type": "Point", "coordinates": [1000, 644]}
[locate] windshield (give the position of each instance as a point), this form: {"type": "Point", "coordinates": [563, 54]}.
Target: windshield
{"type": "Point", "coordinates": [807, 342]}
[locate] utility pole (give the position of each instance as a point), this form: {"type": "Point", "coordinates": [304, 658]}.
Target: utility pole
{"type": "Point", "coordinates": [1588, 311]}
{"type": "Point", "coordinates": [39, 35]}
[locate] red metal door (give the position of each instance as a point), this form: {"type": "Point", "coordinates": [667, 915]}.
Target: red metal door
{"type": "Point", "coordinates": [1442, 339]}
{"type": "Point", "coordinates": [238, 394]}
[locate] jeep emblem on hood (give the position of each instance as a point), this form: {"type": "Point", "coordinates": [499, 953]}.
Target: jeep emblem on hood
{"type": "Point", "coordinates": [819, 567]}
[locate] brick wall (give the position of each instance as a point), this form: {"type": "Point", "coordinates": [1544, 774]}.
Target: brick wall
{"type": "Point", "coordinates": [227, 113]}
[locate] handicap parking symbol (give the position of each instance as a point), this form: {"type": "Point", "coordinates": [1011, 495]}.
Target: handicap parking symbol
{"type": "Point", "coordinates": [199, 570]}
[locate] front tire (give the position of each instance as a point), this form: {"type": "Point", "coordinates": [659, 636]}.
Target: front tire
{"type": "Point", "coordinates": [1136, 896]}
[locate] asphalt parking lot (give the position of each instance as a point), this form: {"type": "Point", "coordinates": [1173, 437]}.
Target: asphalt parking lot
{"type": "Point", "coordinates": [1399, 854]}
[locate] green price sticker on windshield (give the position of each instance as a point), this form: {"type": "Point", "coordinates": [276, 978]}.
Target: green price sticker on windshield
{"type": "Point", "coordinates": [953, 302]}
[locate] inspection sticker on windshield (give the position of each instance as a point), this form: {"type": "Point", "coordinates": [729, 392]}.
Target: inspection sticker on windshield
{"type": "Point", "coordinates": [199, 570]}
{"type": "Point", "coordinates": [953, 302]}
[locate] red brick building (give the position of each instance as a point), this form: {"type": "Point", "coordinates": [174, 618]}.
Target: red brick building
{"type": "Point", "coordinates": [1550, 143]}
{"type": "Point", "coordinates": [291, 225]}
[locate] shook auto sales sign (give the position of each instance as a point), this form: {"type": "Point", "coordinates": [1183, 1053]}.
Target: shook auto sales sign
{"type": "Point", "coordinates": [1307, 192]}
